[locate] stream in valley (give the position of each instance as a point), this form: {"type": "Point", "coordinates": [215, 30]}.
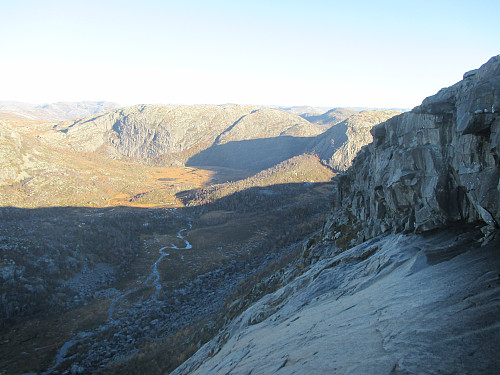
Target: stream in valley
{"type": "Point", "coordinates": [153, 280]}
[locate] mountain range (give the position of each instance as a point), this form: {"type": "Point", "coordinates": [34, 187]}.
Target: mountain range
{"type": "Point", "coordinates": [240, 239]}
{"type": "Point", "coordinates": [55, 111]}
{"type": "Point", "coordinates": [39, 157]}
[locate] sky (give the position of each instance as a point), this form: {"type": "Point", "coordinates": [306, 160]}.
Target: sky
{"type": "Point", "coordinates": [356, 53]}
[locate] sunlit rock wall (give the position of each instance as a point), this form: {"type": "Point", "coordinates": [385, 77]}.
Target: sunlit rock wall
{"type": "Point", "coordinates": [429, 167]}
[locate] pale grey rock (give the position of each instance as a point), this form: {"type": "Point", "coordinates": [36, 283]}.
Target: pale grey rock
{"type": "Point", "coordinates": [430, 167]}
{"type": "Point", "coordinates": [407, 304]}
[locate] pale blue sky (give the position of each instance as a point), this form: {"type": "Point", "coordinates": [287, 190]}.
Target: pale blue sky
{"type": "Point", "coordinates": [324, 53]}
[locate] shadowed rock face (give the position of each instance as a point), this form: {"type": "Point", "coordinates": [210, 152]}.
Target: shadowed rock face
{"type": "Point", "coordinates": [432, 166]}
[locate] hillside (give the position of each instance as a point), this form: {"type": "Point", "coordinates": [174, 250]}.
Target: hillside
{"type": "Point", "coordinates": [419, 293]}
{"type": "Point", "coordinates": [338, 146]}
{"type": "Point", "coordinates": [137, 156]}
{"type": "Point", "coordinates": [300, 169]}
{"type": "Point", "coordinates": [173, 134]}
{"type": "Point", "coordinates": [146, 155]}
{"type": "Point", "coordinates": [133, 290]}
{"type": "Point", "coordinates": [34, 173]}
{"type": "Point", "coordinates": [119, 265]}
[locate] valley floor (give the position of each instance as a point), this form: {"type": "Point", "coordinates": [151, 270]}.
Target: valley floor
{"type": "Point", "coordinates": [397, 304]}
{"type": "Point", "coordinates": [130, 290]}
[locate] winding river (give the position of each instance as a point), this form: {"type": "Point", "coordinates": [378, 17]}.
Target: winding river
{"type": "Point", "coordinates": [153, 279]}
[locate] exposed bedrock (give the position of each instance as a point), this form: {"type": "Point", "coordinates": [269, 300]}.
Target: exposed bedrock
{"type": "Point", "coordinates": [430, 167]}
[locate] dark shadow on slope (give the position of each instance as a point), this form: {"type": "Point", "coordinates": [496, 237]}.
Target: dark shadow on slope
{"type": "Point", "coordinates": [251, 155]}
{"type": "Point", "coordinates": [327, 143]}
{"type": "Point", "coordinates": [258, 199]}
{"type": "Point", "coordinates": [47, 245]}
{"type": "Point", "coordinates": [237, 241]}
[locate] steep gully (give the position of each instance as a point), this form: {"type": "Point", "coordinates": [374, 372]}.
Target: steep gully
{"type": "Point", "coordinates": [218, 138]}
{"type": "Point", "coordinates": [152, 280]}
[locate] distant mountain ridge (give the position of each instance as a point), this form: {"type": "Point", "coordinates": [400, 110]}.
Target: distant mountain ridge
{"type": "Point", "coordinates": [173, 134]}
{"type": "Point", "coordinates": [59, 111]}
{"type": "Point", "coordinates": [305, 110]}
{"type": "Point", "coordinates": [232, 136]}
{"type": "Point", "coordinates": [242, 140]}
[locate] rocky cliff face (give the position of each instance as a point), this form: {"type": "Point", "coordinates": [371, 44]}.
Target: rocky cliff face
{"type": "Point", "coordinates": [430, 167]}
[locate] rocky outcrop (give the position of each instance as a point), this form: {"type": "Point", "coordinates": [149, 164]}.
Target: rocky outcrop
{"type": "Point", "coordinates": [338, 146]}
{"type": "Point", "coordinates": [400, 304]}
{"type": "Point", "coordinates": [435, 165]}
